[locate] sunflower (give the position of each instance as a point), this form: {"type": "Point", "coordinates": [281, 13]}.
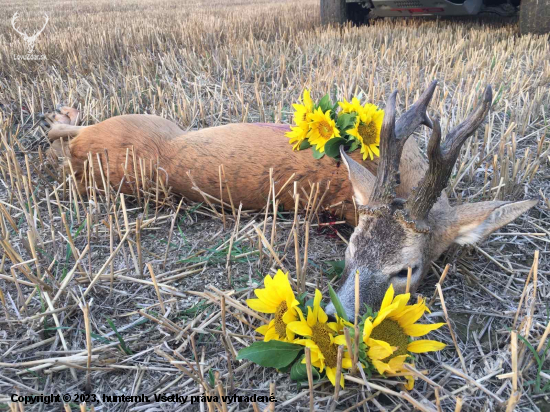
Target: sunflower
{"type": "Point", "coordinates": [297, 135]}
{"type": "Point", "coordinates": [321, 129]}
{"type": "Point", "coordinates": [302, 110]}
{"type": "Point", "coordinates": [323, 340]}
{"type": "Point", "coordinates": [387, 336]}
{"type": "Point", "coordinates": [367, 129]}
{"type": "Point", "coordinates": [354, 106]}
{"type": "Point", "coordinates": [277, 298]}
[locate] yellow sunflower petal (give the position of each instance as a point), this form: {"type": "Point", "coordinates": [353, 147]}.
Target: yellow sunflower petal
{"type": "Point", "coordinates": [322, 317]}
{"type": "Point", "coordinates": [331, 375]}
{"type": "Point", "coordinates": [396, 363]}
{"type": "Point", "coordinates": [347, 363]}
{"type": "Point", "coordinates": [383, 314]}
{"type": "Point", "coordinates": [282, 286]}
{"type": "Point", "coordinates": [308, 103]}
{"type": "Point", "coordinates": [340, 340]}
{"type": "Point", "coordinates": [290, 316]}
{"type": "Point", "coordinates": [422, 346]}
{"type": "Point", "coordinates": [268, 297]}
{"type": "Point", "coordinates": [388, 298]}
{"type": "Point", "coordinates": [410, 382]}
{"type": "Point", "coordinates": [300, 328]}
{"type": "Point", "coordinates": [289, 335]}
{"type": "Point", "coordinates": [271, 334]}
{"type": "Point", "coordinates": [380, 366]}
{"type": "Point", "coordinates": [268, 280]}
{"type": "Point", "coordinates": [317, 302]}
{"type": "Point", "coordinates": [259, 306]}
{"type": "Point", "coordinates": [263, 329]}
{"type": "Point", "coordinates": [367, 330]}
{"type": "Point", "coordinates": [374, 149]}
{"type": "Point", "coordinates": [418, 329]}
{"type": "Point", "coordinates": [378, 349]}
{"type": "Point", "coordinates": [311, 318]}
{"type": "Point", "coordinates": [402, 300]}
{"type": "Point", "coordinates": [410, 314]}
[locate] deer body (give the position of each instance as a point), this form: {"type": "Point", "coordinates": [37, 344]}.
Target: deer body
{"type": "Point", "coordinates": [404, 219]}
{"type": "Point", "coordinates": [247, 151]}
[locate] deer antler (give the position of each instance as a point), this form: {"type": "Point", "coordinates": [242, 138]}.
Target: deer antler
{"type": "Point", "coordinates": [392, 139]}
{"type": "Point", "coordinates": [442, 158]}
{"type": "Point", "coordinates": [13, 20]}
{"type": "Point", "coordinates": [43, 27]}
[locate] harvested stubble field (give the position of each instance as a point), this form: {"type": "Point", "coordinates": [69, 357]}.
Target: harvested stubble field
{"type": "Point", "coordinates": [81, 276]}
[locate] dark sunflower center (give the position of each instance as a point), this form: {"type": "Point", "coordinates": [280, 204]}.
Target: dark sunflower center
{"type": "Point", "coordinates": [367, 133]}
{"type": "Point", "coordinates": [390, 331]}
{"type": "Point", "coordinates": [321, 336]}
{"type": "Point", "coordinates": [325, 130]}
{"type": "Point", "coordinates": [280, 326]}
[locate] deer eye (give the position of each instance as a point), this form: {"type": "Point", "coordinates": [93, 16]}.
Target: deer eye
{"type": "Point", "coordinates": [403, 272]}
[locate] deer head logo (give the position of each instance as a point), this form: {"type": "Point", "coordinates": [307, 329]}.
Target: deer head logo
{"type": "Point", "coordinates": [30, 40]}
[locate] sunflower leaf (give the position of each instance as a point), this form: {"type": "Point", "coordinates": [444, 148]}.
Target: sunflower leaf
{"type": "Point", "coordinates": [354, 145]}
{"type": "Point", "coordinates": [332, 147]}
{"type": "Point", "coordinates": [272, 354]}
{"type": "Point", "coordinates": [316, 153]}
{"type": "Point", "coordinates": [345, 120]}
{"type": "Point", "coordinates": [337, 304]}
{"type": "Point", "coordinates": [325, 103]}
{"type": "Point", "coordinates": [305, 145]}
{"type": "Point", "coordinates": [336, 268]}
{"type": "Point", "coordinates": [298, 373]}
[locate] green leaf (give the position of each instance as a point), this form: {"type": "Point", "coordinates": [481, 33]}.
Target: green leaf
{"type": "Point", "coordinates": [325, 103]}
{"type": "Point", "coordinates": [316, 153]}
{"type": "Point", "coordinates": [336, 267]}
{"type": "Point", "coordinates": [345, 120]}
{"type": "Point", "coordinates": [337, 304]}
{"type": "Point", "coordinates": [305, 145]}
{"type": "Point", "coordinates": [332, 147]}
{"type": "Point", "coordinates": [354, 146]}
{"type": "Point", "coordinates": [123, 345]}
{"type": "Point", "coordinates": [211, 378]}
{"type": "Point", "coordinates": [272, 354]}
{"type": "Point", "coordinates": [298, 373]}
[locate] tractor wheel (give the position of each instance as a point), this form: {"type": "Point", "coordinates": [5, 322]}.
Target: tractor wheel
{"type": "Point", "coordinates": [333, 12]}
{"type": "Point", "coordinates": [534, 16]}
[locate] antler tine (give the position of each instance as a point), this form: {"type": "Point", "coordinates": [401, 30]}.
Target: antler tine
{"type": "Point", "coordinates": [393, 137]}
{"type": "Point", "coordinates": [13, 20]}
{"type": "Point", "coordinates": [416, 115]}
{"type": "Point", "coordinates": [442, 158]}
{"type": "Point", "coordinates": [390, 153]}
{"type": "Point", "coordinates": [44, 26]}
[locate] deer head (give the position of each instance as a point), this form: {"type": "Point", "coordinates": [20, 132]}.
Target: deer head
{"type": "Point", "coordinates": [30, 40]}
{"type": "Point", "coordinates": [394, 234]}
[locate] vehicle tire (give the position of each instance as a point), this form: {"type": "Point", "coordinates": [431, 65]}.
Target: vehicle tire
{"type": "Point", "coordinates": [333, 11]}
{"type": "Point", "coordinates": [534, 16]}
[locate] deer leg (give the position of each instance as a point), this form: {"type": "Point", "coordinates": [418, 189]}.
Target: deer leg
{"type": "Point", "coordinates": [63, 130]}
{"type": "Point", "coordinates": [63, 123]}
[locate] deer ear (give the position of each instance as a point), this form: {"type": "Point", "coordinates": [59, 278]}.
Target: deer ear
{"type": "Point", "coordinates": [361, 179]}
{"type": "Point", "coordinates": [475, 221]}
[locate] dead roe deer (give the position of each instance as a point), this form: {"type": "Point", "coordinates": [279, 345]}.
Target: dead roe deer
{"type": "Point", "coordinates": [404, 216]}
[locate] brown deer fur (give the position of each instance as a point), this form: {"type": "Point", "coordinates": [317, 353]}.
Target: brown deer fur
{"type": "Point", "coordinates": [246, 150]}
